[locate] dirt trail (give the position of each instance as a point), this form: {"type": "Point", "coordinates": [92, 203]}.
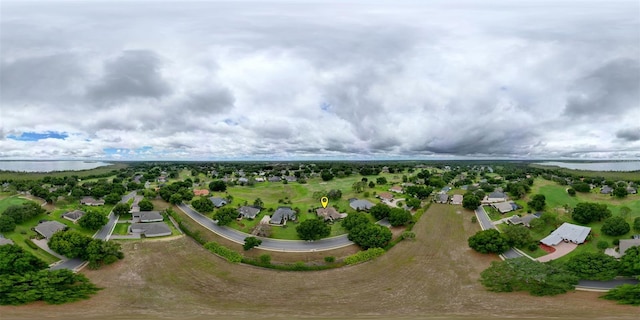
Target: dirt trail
{"type": "Point", "coordinates": [433, 276]}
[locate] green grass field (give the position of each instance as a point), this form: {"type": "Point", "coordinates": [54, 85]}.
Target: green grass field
{"type": "Point", "coordinates": [614, 175]}
{"type": "Point", "coordinates": [121, 228]}
{"type": "Point", "coordinates": [7, 202]}
{"type": "Point", "coordinates": [5, 175]}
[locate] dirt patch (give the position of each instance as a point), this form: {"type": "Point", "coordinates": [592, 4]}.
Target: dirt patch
{"type": "Point", "coordinates": [434, 276]}
{"type": "Point", "coordinates": [547, 248]}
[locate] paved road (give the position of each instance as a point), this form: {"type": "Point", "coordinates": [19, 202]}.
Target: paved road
{"type": "Point", "coordinates": [267, 243]}
{"type": "Point", "coordinates": [486, 223]}
{"type": "Point", "coordinates": [102, 234]}
{"type": "Point", "coordinates": [605, 285]}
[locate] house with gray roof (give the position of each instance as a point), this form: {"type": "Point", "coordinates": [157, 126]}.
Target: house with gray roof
{"type": "Point", "coordinates": [218, 202]}
{"type": "Point", "coordinates": [442, 198]}
{"type": "Point", "coordinates": [149, 230]}
{"type": "Point", "coordinates": [606, 190]}
{"type": "Point", "coordinates": [525, 220]}
{"type": "Point", "coordinates": [457, 199]}
{"type": "Point", "coordinates": [360, 205]}
{"type": "Point", "coordinates": [91, 201]}
{"type": "Point", "coordinates": [626, 244]}
{"type": "Point", "coordinates": [282, 215]}
{"type": "Point", "coordinates": [503, 207]}
{"type": "Point", "coordinates": [274, 179]}
{"type": "Point", "coordinates": [147, 216]}
{"type": "Point", "coordinates": [631, 190]}
{"type": "Point", "coordinates": [330, 214]}
{"type": "Point", "coordinates": [4, 240]}
{"type": "Point", "coordinates": [73, 216]}
{"type": "Point", "coordinates": [495, 196]}
{"type": "Point", "coordinates": [248, 212]}
{"type": "Point", "coordinates": [48, 228]}
{"type": "Point", "coordinates": [567, 232]}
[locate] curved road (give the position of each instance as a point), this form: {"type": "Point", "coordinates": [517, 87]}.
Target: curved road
{"type": "Point", "coordinates": [267, 243]}
{"type": "Point", "coordinates": [102, 234]}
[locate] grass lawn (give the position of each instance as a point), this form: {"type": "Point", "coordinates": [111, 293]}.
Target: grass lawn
{"type": "Point", "coordinates": [612, 175]}
{"type": "Point", "coordinates": [7, 202]}
{"type": "Point", "coordinates": [39, 175]}
{"type": "Point", "coordinates": [494, 215]}
{"type": "Point", "coordinates": [121, 229]}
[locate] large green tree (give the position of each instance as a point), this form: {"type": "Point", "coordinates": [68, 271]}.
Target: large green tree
{"type": "Point", "coordinates": [370, 235]}
{"type": "Point", "coordinates": [202, 204]}
{"type": "Point", "coordinates": [517, 235]}
{"type": "Point", "coordinates": [636, 224]}
{"type": "Point", "coordinates": [489, 241]}
{"type": "Point", "coordinates": [470, 201]}
{"type": "Point", "coordinates": [399, 217]}
{"type": "Point", "coordinates": [121, 209]}
{"type": "Point", "coordinates": [54, 287]}
{"type": "Point", "coordinates": [615, 226]}
{"type": "Point", "coordinates": [380, 211]}
{"type": "Point", "coordinates": [14, 259]}
{"type": "Point", "coordinates": [313, 229]}
{"type": "Point", "coordinates": [630, 262]}
{"type": "Point", "coordinates": [93, 220]}
{"type": "Point", "coordinates": [620, 192]}
{"type": "Point", "coordinates": [625, 294]}
{"type": "Point", "coordinates": [145, 205]}
{"type": "Point", "coordinates": [523, 274]}
{"type": "Point", "coordinates": [251, 242]}
{"type": "Point", "coordinates": [354, 219]}
{"type": "Point", "coordinates": [218, 185]}
{"type": "Point", "coordinates": [225, 215]}
{"type": "Point", "coordinates": [586, 212]}
{"type": "Point", "coordinates": [593, 266]}
{"type": "Point", "coordinates": [537, 203]}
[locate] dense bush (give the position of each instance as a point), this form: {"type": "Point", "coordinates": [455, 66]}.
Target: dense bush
{"type": "Point", "coordinates": [593, 266]}
{"type": "Point", "coordinates": [399, 217]}
{"type": "Point", "coordinates": [615, 226]}
{"type": "Point", "coordinates": [224, 252]}
{"type": "Point", "coordinates": [489, 241]}
{"type": "Point", "coordinates": [93, 220]}
{"type": "Point", "coordinates": [363, 256]}
{"type": "Point", "coordinates": [313, 229]}
{"type": "Point", "coordinates": [73, 244]}
{"type": "Point", "coordinates": [630, 262]}
{"type": "Point", "coordinates": [625, 294]}
{"type": "Point", "coordinates": [586, 212]}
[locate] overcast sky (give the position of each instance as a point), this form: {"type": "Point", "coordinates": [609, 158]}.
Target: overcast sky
{"type": "Point", "coordinates": [306, 80]}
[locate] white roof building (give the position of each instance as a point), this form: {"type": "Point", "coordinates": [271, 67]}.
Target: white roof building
{"type": "Point", "coordinates": [567, 232]}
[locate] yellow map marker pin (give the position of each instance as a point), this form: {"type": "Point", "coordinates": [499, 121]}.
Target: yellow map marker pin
{"type": "Point", "coordinates": [324, 201]}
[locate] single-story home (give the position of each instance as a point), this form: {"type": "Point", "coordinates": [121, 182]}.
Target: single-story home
{"type": "Point", "coordinates": [330, 214]}
{"type": "Point", "coordinates": [149, 230]}
{"type": "Point", "coordinates": [495, 196]}
{"type": "Point", "coordinates": [243, 180]}
{"type": "Point", "coordinates": [606, 190]}
{"type": "Point", "coordinates": [259, 179]}
{"type": "Point", "coordinates": [503, 207]}
{"type": "Point", "coordinates": [385, 195]}
{"type": "Point", "coordinates": [360, 205]}
{"type": "Point", "coordinates": [456, 199]}
{"type": "Point", "coordinates": [218, 202]}
{"type": "Point", "coordinates": [4, 240]}
{"type": "Point", "coordinates": [147, 216]}
{"type": "Point", "coordinates": [442, 198]}
{"type": "Point", "coordinates": [626, 244]}
{"type": "Point", "coordinates": [396, 189]}
{"type": "Point", "coordinates": [48, 228]}
{"type": "Point", "coordinates": [567, 232]}
{"type": "Point", "coordinates": [631, 190]}
{"type": "Point", "coordinates": [291, 178]}
{"type": "Point", "coordinates": [248, 212]}
{"type": "Point", "coordinates": [91, 201]}
{"type": "Point", "coordinates": [274, 179]}
{"type": "Point", "coordinates": [525, 221]}
{"type": "Point", "coordinates": [73, 216]}
{"type": "Point", "coordinates": [200, 192]}
{"type": "Point", "coordinates": [282, 215]}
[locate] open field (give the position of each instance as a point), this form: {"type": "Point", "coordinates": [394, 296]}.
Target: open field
{"type": "Point", "coordinates": [434, 276]}
{"type": "Point", "coordinates": [6, 175]}
{"type": "Point", "coordinates": [614, 175]}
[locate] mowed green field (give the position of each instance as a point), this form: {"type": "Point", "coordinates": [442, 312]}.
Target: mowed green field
{"type": "Point", "coordinates": [6, 175]}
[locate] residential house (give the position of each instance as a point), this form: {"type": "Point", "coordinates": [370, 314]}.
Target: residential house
{"type": "Point", "coordinates": [200, 192]}
{"type": "Point", "coordinates": [330, 214]}
{"type": "Point", "coordinates": [259, 179]}
{"type": "Point", "coordinates": [606, 190]}
{"type": "Point", "coordinates": [73, 216]}
{"type": "Point", "coordinates": [282, 215]}
{"type": "Point", "coordinates": [243, 180]}
{"type": "Point", "coordinates": [274, 179]}
{"type": "Point", "coordinates": [503, 207]}
{"type": "Point", "coordinates": [149, 230]}
{"type": "Point", "coordinates": [456, 199]}
{"type": "Point", "coordinates": [48, 228]}
{"type": "Point", "coordinates": [385, 196]}
{"type": "Point", "coordinates": [218, 202]}
{"type": "Point", "coordinates": [626, 244]}
{"type": "Point", "coordinates": [495, 196]}
{"type": "Point", "coordinates": [360, 205]}
{"type": "Point", "coordinates": [525, 221]}
{"type": "Point", "coordinates": [91, 201]}
{"type": "Point", "coordinates": [396, 189]}
{"type": "Point", "coordinates": [631, 190]}
{"type": "Point", "coordinates": [291, 178]}
{"type": "Point", "coordinates": [248, 212]}
{"type": "Point", "coordinates": [4, 240]}
{"type": "Point", "coordinates": [567, 232]}
{"type": "Point", "coordinates": [147, 216]}
{"type": "Point", "coordinates": [137, 178]}
{"type": "Point", "coordinates": [442, 198]}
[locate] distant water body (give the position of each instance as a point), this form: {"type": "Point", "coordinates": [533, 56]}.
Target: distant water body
{"type": "Point", "coordinates": [596, 166]}
{"type": "Point", "coordinates": [49, 166]}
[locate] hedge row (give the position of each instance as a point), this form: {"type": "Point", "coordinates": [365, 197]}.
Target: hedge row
{"type": "Point", "coordinates": [31, 244]}
{"type": "Point", "coordinates": [224, 252]}
{"type": "Point", "coordinates": [363, 256]}
{"type": "Point", "coordinates": [197, 236]}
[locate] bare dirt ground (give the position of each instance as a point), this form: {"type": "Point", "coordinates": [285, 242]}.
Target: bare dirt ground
{"type": "Point", "coordinates": [434, 276]}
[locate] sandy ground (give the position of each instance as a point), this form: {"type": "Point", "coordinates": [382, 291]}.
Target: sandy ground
{"type": "Point", "coordinates": [435, 276]}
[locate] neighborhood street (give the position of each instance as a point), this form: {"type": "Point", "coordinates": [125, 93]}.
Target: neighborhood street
{"type": "Point", "coordinates": [268, 244]}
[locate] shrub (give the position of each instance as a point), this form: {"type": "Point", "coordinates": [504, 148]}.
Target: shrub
{"type": "Point", "coordinates": [224, 252]}
{"type": "Point", "coordinates": [330, 259]}
{"type": "Point", "coordinates": [489, 241]}
{"type": "Point", "coordinates": [602, 244]}
{"type": "Point", "coordinates": [625, 294]}
{"type": "Point", "coordinates": [616, 242]}
{"type": "Point", "coordinates": [408, 235]}
{"type": "Point", "coordinates": [363, 256]}
{"type": "Point", "coordinates": [474, 219]}
{"type": "Point", "coordinates": [615, 226]}
{"type": "Point", "coordinates": [31, 244]}
{"type": "Point", "coordinates": [265, 259]}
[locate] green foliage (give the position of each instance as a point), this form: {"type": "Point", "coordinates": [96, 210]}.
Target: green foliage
{"type": "Point", "coordinates": [145, 205]}
{"type": "Point", "coordinates": [593, 266]}
{"type": "Point", "coordinates": [121, 209]}
{"type": "Point", "coordinates": [620, 192]}
{"type": "Point", "coordinates": [523, 274]}
{"type": "Point", "coordinates": [363, 256]}
{"type": "Point", "coordinates": [630, 262]}
{"type": "Point", "coordinates": [265, 259]}
{"type": "Point", "coordinates": [7, 224]}
{"type": "Point", "coordinates": [380, 211]}
{"type": "Point", "coordinates": [258, 203]}
{"type": "Point", "coordinates": [225, 215]}
{"type": "Point", "coordinates": [625, 294]}
{"type": "Point", "coordinates": [414, 203]}
{"type": "Point", "coordinates": [370, 235]}
{"type": "Point", "coordinates": [93, 220]}
{"type": "Point", "coordinates": [251, 242]}
{"type": "Point", "coordinates": [313, 229]}
{"type": "Point", "coordinates": [100, 253]}
{"type": "Point", "coordinates": [14, 260]}
{"type": "Point", "coordinates": [334, 194]}
{"type": "Point", "coordinates": [408, 235]}
{"type": "Point", "coordinates": [603, 244]}
{"type": "Point", "coordinates": [489, 241]}
{"type": "Point", "coordinates": [381, 180]}
{"type": "Point", "coordinates": [218, 185]}
{"type": "Point", "coordinates": [111, 198]}
{"type": "Point", "coordinates": [581, 187]}
{"type": "Point", "coordinates": [517, 235]}
{"type": "Point", "coordinates": [537, 203]}
{"type": "Point", "coordinates": [175, 198]}
{"type": "Point", "coordinates": [330, 259]}
{"type": "Point", "coordinates": [202, 204]}
{"type": "Point", "coordinates": [470, 201]}
{"type": "Point", "coordinates": [636, 224]}
{"type": "Point", "coordinates": [354, 219]}
{"type": "Point", "coordinates": [615, 226]}
{"type": "Point", "coordinates": [399, 217]}
{"type": "Point", "coordinates": [571, 192]}
{"type": "Point", "coordinates": [224, 252]}
{"type": "Point", "coordinates": [54, 287]}
{"type": "Point", "coordinates": [326, 175]}
{"type": "Point", "coordinates": [17, 214]}
{"type": "Point", "coordinates": [31, 244]}
{"type": "Point", "coordinates": [73, 244]}
{"type": "Point", "coordinates": [586, 212]}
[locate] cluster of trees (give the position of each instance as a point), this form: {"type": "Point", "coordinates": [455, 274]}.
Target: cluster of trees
{"type": "Point", "coordinates": [93, 220]}
{"type": "Point", "coordinates": [537, 203]}
{"type": "Point", "coordinates": [73, 244]}
{"type": "Point", "coordinates": [217, 186]}
{"type": "Point", "coordinates": [365, 233]}
{"type": "Point", "coordinates": [225, 215]}
{"type": "Point", "coordinates": [587, 212]}
{"type": "Point", "coordinates": [471, 200]}
{"type": "Point", "coordinates": [396, 216]}
{"type": "Point", "coordinates": [489, 241]}
{"type": "Point", "coordinates": [420, 192]}
{"type": "Point", "coordinates": [313, 229]}
{"type": "Point", "coordinates": [177, 192]}
{"type": "Point", "coordinates": [519, 189]}
{"type": "Point", "coordinates": [615, 226]}
{"type": "Point", "coordinates": [24, 279]}
{"type": "Point", "coordinates": [17, 214]}
{"type": "Point", "coordinates": [121, 209]}
{"type": "Point", "coordinates": [202, 204]}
